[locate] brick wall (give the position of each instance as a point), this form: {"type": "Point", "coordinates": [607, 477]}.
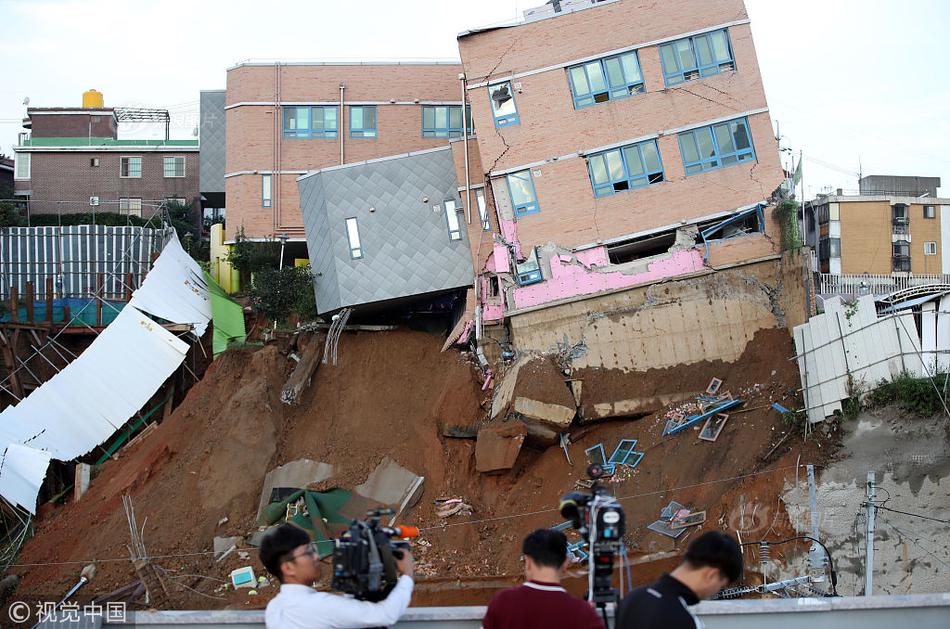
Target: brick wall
{"type": "Point", "coordinates": [68, 176]}
{"type": "Point", "coordinates": [254, 131]}
{"type": "Point", "coordinates": [866, 238]}
{"type": "Point", "coordinates": [72, 125]}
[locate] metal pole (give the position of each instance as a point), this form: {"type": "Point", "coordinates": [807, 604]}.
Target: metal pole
{"type": "Point", "coordinates": [816, 557]}
{"type": "Point", "coordinates": [339, 123]}
{"type": "Point", "coordinates": [869, 535]}
{"type": "Point", "coordinates": [468, 182]}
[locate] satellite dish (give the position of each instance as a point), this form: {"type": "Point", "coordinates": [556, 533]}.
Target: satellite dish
{"type": "Point", "coordinates": [26, 101]}
{"type": "Point", "coordinates": [194, 132]}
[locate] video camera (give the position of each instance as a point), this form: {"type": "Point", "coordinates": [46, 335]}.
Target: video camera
{"type": "Point", "coordinates": [364, 557]}
{"type": "Point", "coordinates": [599, 518]}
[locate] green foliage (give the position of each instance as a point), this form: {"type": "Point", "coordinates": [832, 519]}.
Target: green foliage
{"type": "Point", "coordinates": [112, 219]}
{"type": "Point", "coordinates": [276, 293]}
{"type": "Point", "coordinates": [794, 419]}
{"type": "Point", "coordinates": [913, 395]}
{"type": "Point", "coordinates": [786, 213]}
{"type": "Point", "coordinates": [11, 215]}
{"type": "Point", "coordinates": [250, 257]}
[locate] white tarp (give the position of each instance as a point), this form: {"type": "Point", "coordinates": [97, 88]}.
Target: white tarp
{"type": "Point", "coordinates": [175, 289]}
{"type": "Point", "coordinates": [22, 471]}
{"type": "Point", "coordinates": [91, 398]}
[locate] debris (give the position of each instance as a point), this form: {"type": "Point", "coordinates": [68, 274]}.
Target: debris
{"type": "Point", "coordinates": [252, 592]}
{"type": "Point", "coordinates": [454, 506]}
{"type": "Point", "coordinates": [244, 554]}
{"type": "Point", "coordinates": [713, 427]}
{"type": "Point", "coordinates": [576, 553]}
{"type": "Point", "coordinates": [223, 520]}
{"type": "Point", "coordinates": [498, 445]}
{"type": "Point", "coordinates": [780, 408]}
{"type": "Point", "coordinates": [293, 475]}
{"type": "Point", "coordinates": [563, 526]}
{"type": "Point", "coordinates": [393, 485]}
{"type": "Point", "coordinates": [624, 454]}
{"type": "Point", "coordinates": [488, 380]}
{"type": "Point", "coordinates": [566, 441]}
{"type": "Point", "coordinates": [460, 432]}
{"type": "Point", "coordinates": [583, 483]}
{"type": "Point", "coordinates": [223, 546]}
{"type": "Point", "coordinates": [675, 519]}
{"type": "Point", "coordinates": [681, 521]}
{"type": "Point", "coordinates": [675, 427]}
{"type": "Point", "coordinates": [81, 482]}
{"type": "Point", "coordinates": [713, 387]}
{"type": "Point", "coordinates": [577, 386]}
{"type": "Point", "coordinates": [302, 374]}
{"type": "Point", "coordinates": [243, 577]}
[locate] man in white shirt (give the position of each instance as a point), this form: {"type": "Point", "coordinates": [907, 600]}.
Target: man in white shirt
{"type": "Point", "coordinates": [288, 554]}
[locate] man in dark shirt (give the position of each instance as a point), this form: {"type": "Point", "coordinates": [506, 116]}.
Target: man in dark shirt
{"type": "Point", "coordinates": [711, 562]}
{"type": "Point", "coordinates": [541, 602]}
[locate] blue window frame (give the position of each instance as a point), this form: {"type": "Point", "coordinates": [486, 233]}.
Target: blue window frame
{"type": "Point", "coordinates": [625, 168]}
{"type": "Point", "coordinates": [503, 107]}
{"type": "Point", "coordinates": [605, 79]}
{"type": "Point", "coordinates": [266, 198]}
{"type": "Point", "coordinates": [444, 121]}
{"type": "Point", "coordinates": [362, 121]}
{"type": "Point", "coordinates": [529, 271]}
{"type": "Point", "coordinates": [716, 146]}
{"type": "Point", "coordinates": [524, 198]}
{"type": "Point", "coordinates": [697, 56]}
{"type": "Point", "coordinates": [310, 122]}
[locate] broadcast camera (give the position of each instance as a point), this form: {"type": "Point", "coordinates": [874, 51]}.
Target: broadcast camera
{"type": "Point", "coordinates": [599, 518]}
{"type": "Point", "coordinates": [364, 557]}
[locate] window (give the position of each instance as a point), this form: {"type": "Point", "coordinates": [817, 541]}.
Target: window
{"type": "Point", "coordinates": [503, 106]}
{"type": "Point", "coordinates": [625, 168]}
{"type": "Point", "coordinates": [723, 144]}
{"type": "Point", "coordinates": [482, 208]}
{"type": "Point", "coordinates": [452, 218]}
{"type": "Point", "coordinates": [22, 165]}
{"type": "Point", "coordinates": [130, 206]}
{"type": "Point", "coordinates": [605, 79]}
{"type": "Point", "coordinates": [180, 201]}
{"type": "Point", "coordinates": [353, 236]}
{"type": "Point", "coordinates": [310, 122]}
{"type": "Point", "coordinates": [174, 166]}
{"type": "Point", "coordinates": [94, 162]}
{"type": "Point", "coordinates": [130, 167]}
{"type": "Point", "coordinates": [930, 248]}
{"type": "Point", "coordinates": [524, 200]}
{"type": "Point", "coordinates": [529, 271]}
{"type": "Point", "coordinates": [930, 211]}
{"type": "Point", "coordinates": [899, 213]}
{"type": "Point", "coordinates": [444, 121]}
{"type": "Point", "coordinates": [363, 121]}
{"type": "Point", "coordinates": [695, 57]}
{"type": "Point", "coordinates": [266, 190]}
{"type": "Point", "coordinates": [901, 251]}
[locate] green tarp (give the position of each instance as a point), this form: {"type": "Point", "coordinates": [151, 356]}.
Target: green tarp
{"type": "Point", "coordinates": [226, 316]}
{"type": "Point", "coordinates": [320, 513]}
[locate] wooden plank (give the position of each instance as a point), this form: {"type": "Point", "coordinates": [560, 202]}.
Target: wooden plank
{"type": "Point", "coordinates": [302, 374]}
{"type": "Point", "coordinates": [30, 299]}
{"type": "Point", "coordinates": [14, 305]}
{"type": "Point", "coordinates": [98, 300]}
{"type": "Point", "coordinates": [49, 300]}
{"type": "Point", "coordinates": [10, 363]}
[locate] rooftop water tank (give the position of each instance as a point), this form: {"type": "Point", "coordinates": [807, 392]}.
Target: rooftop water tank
{"type": "Point", "coordinates": [91, 99]}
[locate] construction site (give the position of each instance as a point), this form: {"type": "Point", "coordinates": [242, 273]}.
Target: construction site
{"type": "Point", "coordinates": [612, 273]}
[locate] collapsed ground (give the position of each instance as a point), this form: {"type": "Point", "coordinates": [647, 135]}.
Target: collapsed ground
{"type": "Point", "coordinates": [392, 394]}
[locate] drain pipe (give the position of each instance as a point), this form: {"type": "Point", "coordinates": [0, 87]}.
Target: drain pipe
{"type": "Point", "coordinates": [339, 124]}
{"type": "Point", "coordinates": [468, 180]}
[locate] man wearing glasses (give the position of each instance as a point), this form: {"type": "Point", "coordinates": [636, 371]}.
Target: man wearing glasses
{"type": "Point", "coordinates": [288, 554]}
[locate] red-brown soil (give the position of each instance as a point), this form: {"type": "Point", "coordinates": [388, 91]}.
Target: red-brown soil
{"type": "Point", "coordinates": [390, 395]}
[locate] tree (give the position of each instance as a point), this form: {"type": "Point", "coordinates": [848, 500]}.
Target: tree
{"type": "Point", "coordinates": [276, 293]}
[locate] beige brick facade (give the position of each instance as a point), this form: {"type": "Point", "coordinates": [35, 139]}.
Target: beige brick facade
{"type": "Point", "coordinates": [255, 143]}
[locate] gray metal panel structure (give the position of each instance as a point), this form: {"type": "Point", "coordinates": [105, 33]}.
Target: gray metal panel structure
{"type": "Point", "coordinates": [398, 203]}
{"type": "Point", "coordinates": [211, 135]}
{"type": "Point", "coordinates": [899, 185]}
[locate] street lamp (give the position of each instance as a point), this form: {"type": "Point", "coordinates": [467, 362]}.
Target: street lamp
{"type": "Point", "coordinates": [283, 241]}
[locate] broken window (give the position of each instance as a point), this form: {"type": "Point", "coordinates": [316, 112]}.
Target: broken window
{"type": "Point", "coordinates": [716, 146]}
{"type": "Point", "coordinates": [625, 168]}
{"type": "Point", "coordinates": [698, 56]}
{"type": "Point", "coordinates": [444, 121]}
{"type": "Point", "coordinates": [362, 121]}
{"type": "Point", "coordinates": [524, 198]}
{"type": "Point", "coordinates": [482, 208]}
{"type": "Point", "coordinates": [643, 247]}
{"type": "Point", "coordinates": [310, 122]}
{"type": "Point", "coordinates": [740, 224]}
{"type": "Point", "coordinates": [452, 219]}
{"type": "Point", "coordinates": [353, 236]}
{"type": "Point", "coordinates": [529, 271]}
{"type": "Point", "coordinates": [605, 79]}
{"type": "Point", "coordinates": [265, 190]}
{"type": "Point", "coordinates": [503, 107]}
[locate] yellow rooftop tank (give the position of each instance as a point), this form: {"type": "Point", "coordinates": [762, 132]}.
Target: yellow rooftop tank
{"type": "Point", "coordinates": [91, 99]}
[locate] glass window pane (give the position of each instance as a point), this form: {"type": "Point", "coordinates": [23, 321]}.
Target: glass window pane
{"type": "Point", "coordinates": [598, 169]}
{"type": "Point", "coordinates": [614, 165]}
{"type": "Point", "coordinates": [690, 151]}
{"type": "Point", "coordinates": [634, 165]}
{"type": "Point", "coordinates": [740, 135]}
{"type": "Point", "coordinates": [705, 142]}
{"type": "Point", "coordinates": [352, 233]}
{"type": "Point", "coordinates": [670, 60]}
{"type": "Point", "coordinates": [631, 69]}
{"type": "Point", "coordinates": [452, 216]}
{"type": "Point", "coordinates": [369, 117]}
{"type": "Point", "coordinates": [441, 117]}
{"type": "Point", "coordinates": [329, 118]}
{"type": "Point", "coordinates": [703, 51]}
{"type": "Point", "coordinates": [685, 54]}
{"type": "Point", "coordinates": [614, 72]}
{"type": "Point", "coordinates": [579, 81]}
{"type": "Point", "coordinates": [428, 117]}
{"type": "Point", "coordinates": [356, 117]}
{"type": "Point", "coordinates": [521, 189]}
{"type": "Point", "coordinates": [502, 100]}
{"type": "Point", "coordinates": [720, 46]}
{"type": "Point", "coordinates": [455, 117]}
{"type": "Point", "coordinates": [651, 157]}
{"type": "Point", "coordinates": [724, 138]}
{"type": "Point", "coordinates": [595, 74]}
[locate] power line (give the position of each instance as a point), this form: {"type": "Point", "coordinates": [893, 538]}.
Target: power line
{"type": "Point", "coordinates": [913, 515]}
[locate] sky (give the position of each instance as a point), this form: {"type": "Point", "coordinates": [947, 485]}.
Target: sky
{"type": "Point", "coordinates": [850, 84]}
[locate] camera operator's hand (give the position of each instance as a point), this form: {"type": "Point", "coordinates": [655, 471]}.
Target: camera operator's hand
{"type": "Point", "coordinates": [406, 565]}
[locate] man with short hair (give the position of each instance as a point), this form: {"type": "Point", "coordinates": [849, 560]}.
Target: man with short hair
{"type": "Point", "coordinates": [712, 561]}
{"type": "Point", "coordinates": [541, 602]}
{"type": "Point", "coordinates": [289, 555]}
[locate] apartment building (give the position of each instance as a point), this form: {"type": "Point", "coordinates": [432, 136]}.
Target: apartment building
{"type": "Point", "coordinates": [619, 142]}
{"type": "Point", "coordinates": [71, 160]}
{"type": "Point", "coordinates": [893, 226]}
{"type": "Point", "coordinates": [286, 119]}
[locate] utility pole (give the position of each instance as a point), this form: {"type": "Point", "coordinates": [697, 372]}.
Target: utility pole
{"type": "Point", "coordinates": [816, 558]}
{"type": "Point", "coordinates": [869, 555]}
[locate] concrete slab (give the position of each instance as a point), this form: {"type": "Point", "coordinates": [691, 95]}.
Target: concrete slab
{"type": "Point", "coordinates": [393, 485]}
{"type": "Point", "coordinates": [498, 446]}
{"type": "Point", "coordinates": [558, 416]}
{"type": "Point", "coordinates": [299, 474]}
{"type": "Point", "coordinates": [221, 545]}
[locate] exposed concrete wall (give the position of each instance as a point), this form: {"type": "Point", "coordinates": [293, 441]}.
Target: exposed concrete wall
{"type": "Point", "coordinates": [707, 316]}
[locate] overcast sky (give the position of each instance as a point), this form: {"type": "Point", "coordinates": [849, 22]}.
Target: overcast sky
{"type": "Point", "coordinates": [846, 80]}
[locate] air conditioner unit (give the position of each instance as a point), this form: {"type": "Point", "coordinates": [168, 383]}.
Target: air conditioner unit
{"type": "Point", "coordinates": [94, 201]}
